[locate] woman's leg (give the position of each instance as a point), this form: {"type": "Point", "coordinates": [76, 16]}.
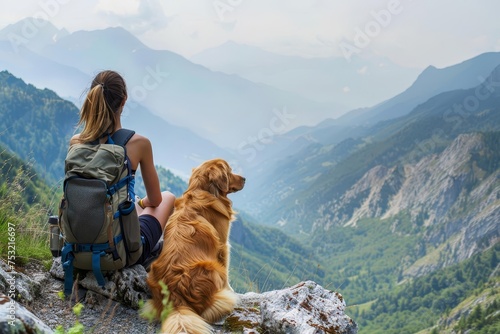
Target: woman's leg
{"type": "Point", "coordinates": [163, 211]}
{"type": "Point", "coordinates": [153, 222]}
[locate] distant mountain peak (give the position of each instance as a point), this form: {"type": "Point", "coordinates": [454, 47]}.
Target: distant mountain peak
{"type": "Point", "coordinates": [83, 45]}
{"type": "Point", "coordinates": [429, 68]}
{"type": "Point", "coordinates": [431, 82]}
{"type": "Point", "coordinates": [32, 33]}
{"type": "Point", "coordinates": [231, 43]}
{"type": "Point", "coordinates": [459, 75]}
{"type": "Point", "coordinates": [28, 22]}
{"type": "Point", "coordinates": [118, 35]}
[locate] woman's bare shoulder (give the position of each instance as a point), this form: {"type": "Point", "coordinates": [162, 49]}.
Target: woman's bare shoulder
{"type": "Point", "coordinates": [75, 139]}
{"type": "Point", "coordinates": [139, 140]}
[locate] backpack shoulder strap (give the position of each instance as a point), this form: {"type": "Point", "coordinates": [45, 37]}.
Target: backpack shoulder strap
{"type": "Point", "coordinates": [122, 136]}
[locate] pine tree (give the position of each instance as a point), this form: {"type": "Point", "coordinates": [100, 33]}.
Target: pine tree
{"type": "Point", "coordinates": [476, 316]}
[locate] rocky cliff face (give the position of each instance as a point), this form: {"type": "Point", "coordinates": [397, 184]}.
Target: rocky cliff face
{"type": "Point", "coordinates": [454, 196]}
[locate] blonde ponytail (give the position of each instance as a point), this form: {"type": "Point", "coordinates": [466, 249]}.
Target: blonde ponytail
{"type": "Point", "coordinates": [105, 98]}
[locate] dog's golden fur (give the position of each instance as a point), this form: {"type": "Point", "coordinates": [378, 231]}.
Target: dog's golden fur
{"type": "Point", "coordinates": [194, 261]}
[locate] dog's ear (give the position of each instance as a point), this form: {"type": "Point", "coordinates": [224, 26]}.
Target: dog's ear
{"type": "Point", "coordinates": [218, 177]}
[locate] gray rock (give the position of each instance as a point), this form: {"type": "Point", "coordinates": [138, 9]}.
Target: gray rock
{"type": "Point", "coordinates": [127, 286]}
{"type": "Point", "coordinates": [14, 318]}
{"type": "Point", "coordinates": [448, 194]}
{"type": "Point", "coordinates": [24, 288]}
{"type": "Point", "coordinates": [305, 308]}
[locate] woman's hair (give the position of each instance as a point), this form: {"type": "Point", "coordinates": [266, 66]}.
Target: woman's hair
{"type": "Point", "coordinates": [104, 99]}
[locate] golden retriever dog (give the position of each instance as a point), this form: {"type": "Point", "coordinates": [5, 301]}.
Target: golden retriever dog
{"type": "Point", "coordinates": [194, 261]}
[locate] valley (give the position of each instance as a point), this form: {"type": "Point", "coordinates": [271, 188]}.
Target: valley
{"type": "Point", "coordinates": [395, 205]}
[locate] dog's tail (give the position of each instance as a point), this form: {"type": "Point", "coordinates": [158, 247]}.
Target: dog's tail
{"type": "Point", "coordinates": [224, 302]}
{"type": "Point", "coordinates": [185, 320]}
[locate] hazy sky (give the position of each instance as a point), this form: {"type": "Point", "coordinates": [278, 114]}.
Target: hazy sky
{"type": "Point", "coordinates": [413, 33]}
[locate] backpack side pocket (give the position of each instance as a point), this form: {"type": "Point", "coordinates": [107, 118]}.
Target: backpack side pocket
{"type": "Point", "coordinates": [129, 222]}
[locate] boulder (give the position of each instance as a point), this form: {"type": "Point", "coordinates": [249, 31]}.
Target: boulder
{"type": "Point", "coordinates": [127, 286]}
{"type": "Point", "coordinates": [15, 318]}
{"type": "Point", "coordinates": [17, 284]}
{"type": "Point", "coordinates": [305, 308]}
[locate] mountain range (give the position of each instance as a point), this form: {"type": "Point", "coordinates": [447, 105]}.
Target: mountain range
{"type": "Point", "coordinates": [360, 122]}
{"type": "Point", "coordinates": [174, 89]}
{"type": "Point", "coordinates": [330, 170]}
{"type": "Point", "coordinates": [345, 84]}
{"type": "Point", "coordinates": [405, 198]}
{"type": "Point", "coordinates": [431, 82]}
{"type": "Point", "coordinates": [169, 85]}
{"type": "Point", "coordinates": [396, 198]}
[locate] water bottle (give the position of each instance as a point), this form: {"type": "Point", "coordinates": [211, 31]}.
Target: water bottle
{"type": "Point", "coordinates": [56, 240]}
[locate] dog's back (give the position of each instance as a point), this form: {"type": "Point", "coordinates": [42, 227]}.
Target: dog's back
{"type": "Point", "coordinates": [191, 267]}
{"type": "Point", "coordinates": [195, 257]}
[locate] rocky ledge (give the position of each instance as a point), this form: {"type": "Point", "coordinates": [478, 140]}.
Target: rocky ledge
{"type": "Point", "coordinates": [304, 308]}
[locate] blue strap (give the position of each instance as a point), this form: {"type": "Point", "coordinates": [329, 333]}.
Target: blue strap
{"type": "Point", "coordinates": [95, 247]}
{"type": "Point", "coordinates": [110, 139]}
{"type": "Point", "coordinates": [124, 210]}
{"type": "Point", "coordinates": [90, 247]}
{"type": "Point", "coordinates": [96, 267]}
{"type": "Point", "coordinates": [122, 183]}
{"type": "Point", "coordinates": [67, 258]}
{"type": "Point", "coordinates": [131, 187]}
{"type": "Point", "coordinates": [97, 250]}
{"type": "Point", "coordinates": [122, 136]}
{"type": "Point", "coordinates": [118, 238]}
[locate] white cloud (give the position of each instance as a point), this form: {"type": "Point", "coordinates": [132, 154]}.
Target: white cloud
{"type": "Point", "coordinates": [346, 89]}
{"type": "Point", "coordinates": [121, 8]}
{"type": "Point", "coordinates": [134, 15]}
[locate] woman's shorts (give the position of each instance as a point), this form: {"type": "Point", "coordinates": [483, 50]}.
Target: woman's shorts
{"type": "Point", "coordinates": [151, 232]}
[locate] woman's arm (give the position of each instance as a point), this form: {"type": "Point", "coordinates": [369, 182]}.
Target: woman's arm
{"type": "Point", "coordinates": [140, 153]}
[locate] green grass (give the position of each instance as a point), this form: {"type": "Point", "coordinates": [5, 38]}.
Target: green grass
{"type": "Point", "coordinates": [27, 235]}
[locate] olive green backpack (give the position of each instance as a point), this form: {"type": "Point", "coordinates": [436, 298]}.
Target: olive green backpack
{"type": "Point", "coordinates": [97, 217]}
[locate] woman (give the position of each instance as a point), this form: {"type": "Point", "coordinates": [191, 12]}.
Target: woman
{"type": "Point", "coordinates": [101, 115]}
